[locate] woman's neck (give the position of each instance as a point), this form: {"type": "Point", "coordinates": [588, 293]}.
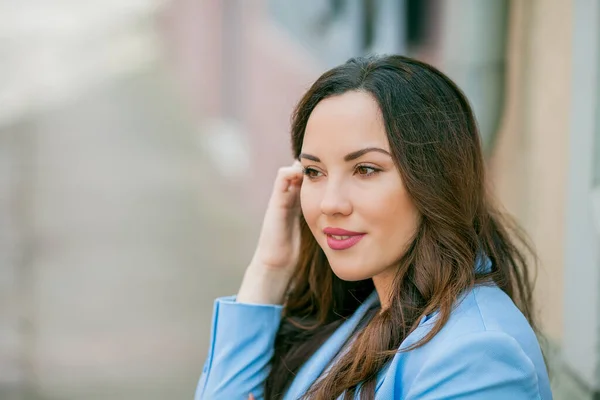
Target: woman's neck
{"type": "Point", "coordinates": [383, 285]}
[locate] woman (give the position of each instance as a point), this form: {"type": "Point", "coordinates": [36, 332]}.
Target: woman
{"type": "Point", "coordinates": [383, 270]}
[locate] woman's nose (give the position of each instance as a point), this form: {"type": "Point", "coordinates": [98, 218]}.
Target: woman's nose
{"type": "Point", "coordinates": [335, 200]}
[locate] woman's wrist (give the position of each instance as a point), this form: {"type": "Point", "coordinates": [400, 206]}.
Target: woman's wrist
{"type": "Point", "coordinates": [263, 285]}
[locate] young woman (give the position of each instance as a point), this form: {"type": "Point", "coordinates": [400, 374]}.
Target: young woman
{"type": "Point", "coordinates": [383, 270]}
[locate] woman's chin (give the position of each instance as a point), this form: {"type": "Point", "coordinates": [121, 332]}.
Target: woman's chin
{"type": "Point", "coordinates": [349, 273]}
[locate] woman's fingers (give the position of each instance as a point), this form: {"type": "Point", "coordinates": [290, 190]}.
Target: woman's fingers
{"type": "Point", "coordinates": [289, 176]}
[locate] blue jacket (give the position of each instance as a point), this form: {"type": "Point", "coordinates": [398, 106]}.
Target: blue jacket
{"type": "Point", "coordinates": [487, 350]}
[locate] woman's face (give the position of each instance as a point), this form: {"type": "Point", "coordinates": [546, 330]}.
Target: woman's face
{"type": "Point", "coordinates": [353, 198]}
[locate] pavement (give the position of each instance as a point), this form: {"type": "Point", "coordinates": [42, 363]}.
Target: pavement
{"type": "Point", "coordinates": [130, 232]}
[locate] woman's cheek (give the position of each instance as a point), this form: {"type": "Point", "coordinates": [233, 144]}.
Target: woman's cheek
{"type": "Point", "coordinates": [307, 203]}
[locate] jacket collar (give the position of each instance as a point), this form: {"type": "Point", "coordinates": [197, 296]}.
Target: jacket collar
{"type": "Point", "coordinates": [315, 365]}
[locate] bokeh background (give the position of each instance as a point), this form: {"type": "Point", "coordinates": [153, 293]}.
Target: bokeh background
{"type": "Point", "coordinates": [139, 140]}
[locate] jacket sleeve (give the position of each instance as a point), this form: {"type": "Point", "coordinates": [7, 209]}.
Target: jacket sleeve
{"type": "Point", "coordinates": [484, 365]}
{"type": "Point", "coordinates": [241, 346]}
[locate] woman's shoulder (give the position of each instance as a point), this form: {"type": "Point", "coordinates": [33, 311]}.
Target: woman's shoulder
{"type": "Point", "coordinates": [486, 308]}
{"type": "Point", "coordinates": [488, 311]}
{"type": "Point", "coordinates": [485, 337]}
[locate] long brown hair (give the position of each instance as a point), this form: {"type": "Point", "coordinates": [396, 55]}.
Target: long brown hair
{"type": "Point", "coordinates": [436, 146]}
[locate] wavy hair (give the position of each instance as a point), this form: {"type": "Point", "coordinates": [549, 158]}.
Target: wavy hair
{"type": "Point", "coordinates": [436, 147]}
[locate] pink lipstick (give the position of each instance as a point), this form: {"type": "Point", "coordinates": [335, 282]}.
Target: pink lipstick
{"type": "Point", "coordinates": [341, 239]}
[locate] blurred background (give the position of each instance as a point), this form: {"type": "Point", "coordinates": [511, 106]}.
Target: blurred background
{"type": "Point", "coordinates": [139, 140]}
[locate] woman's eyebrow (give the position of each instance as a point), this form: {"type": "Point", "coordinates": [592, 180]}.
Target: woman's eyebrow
{"type": "Point", "coordinates": [309, 157]}
{"type": "Point", "coordinates": [356, 154]}
{"type": "Point", "coordinates": [348, 157]}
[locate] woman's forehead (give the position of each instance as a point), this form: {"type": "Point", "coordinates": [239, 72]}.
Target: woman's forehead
{"type": "Point", "coordinates": [346, 123]}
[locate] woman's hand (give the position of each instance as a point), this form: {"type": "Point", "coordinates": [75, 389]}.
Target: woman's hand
{"type": "Point", "coordinates": [279, 241]}
{"type": "Point", "coordinates": [278, 248]}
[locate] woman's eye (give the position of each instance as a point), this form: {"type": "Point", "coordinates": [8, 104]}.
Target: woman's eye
{"type": "Point", "coordinates": [311, 173]}
{"type": "Point", "coordinates": [366, 170]}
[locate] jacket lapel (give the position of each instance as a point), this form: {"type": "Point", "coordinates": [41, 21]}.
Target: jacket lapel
{"type": "Point", "coordinates": [314, 367]}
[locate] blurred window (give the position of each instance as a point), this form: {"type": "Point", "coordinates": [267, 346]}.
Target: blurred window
{"type": "Point", "coordinates": [597, 128]}
{"type": "Point", "coordinates": [418, 22]}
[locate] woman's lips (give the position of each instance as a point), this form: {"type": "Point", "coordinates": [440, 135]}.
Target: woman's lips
{"type": "Point", "coordinates": [343, 242]}
{"type": "Point", "coordinates": [341, 239]}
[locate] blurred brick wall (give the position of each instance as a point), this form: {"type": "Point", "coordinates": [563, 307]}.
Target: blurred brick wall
{"type": "Point", "coordinates": [271, 74]}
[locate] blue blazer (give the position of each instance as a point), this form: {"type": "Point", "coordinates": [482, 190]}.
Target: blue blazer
{"type": "Point", "coordinates": [487, 350]}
